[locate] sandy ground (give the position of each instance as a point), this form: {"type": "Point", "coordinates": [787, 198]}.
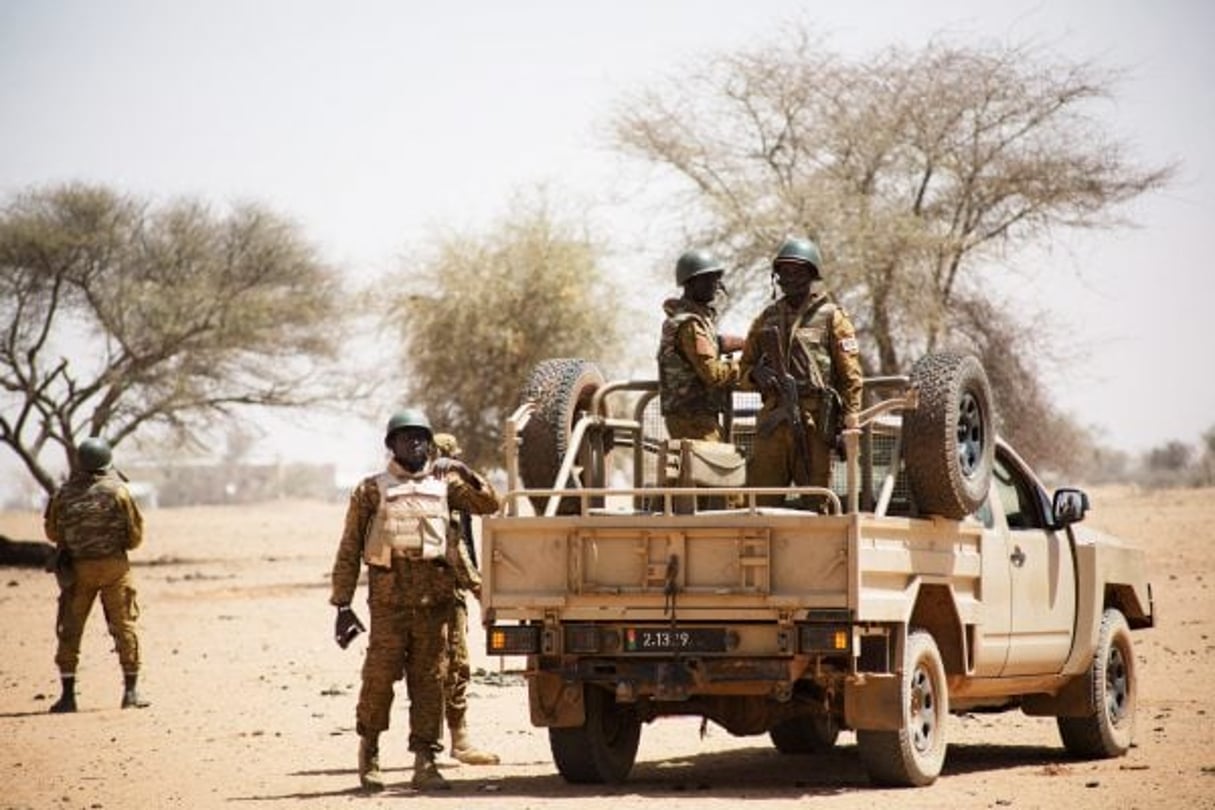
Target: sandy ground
{"type": "Point", "coordinates": [253, 704]}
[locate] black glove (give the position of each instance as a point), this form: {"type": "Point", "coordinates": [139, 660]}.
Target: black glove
{"type": "Point", "coordinates": [346, 626]}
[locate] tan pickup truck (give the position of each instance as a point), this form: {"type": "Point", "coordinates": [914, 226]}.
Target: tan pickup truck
{"type": "Point", "coordinates": [640, 579]}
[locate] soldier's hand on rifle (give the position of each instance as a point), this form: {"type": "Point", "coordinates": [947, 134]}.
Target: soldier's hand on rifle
{"type": "Point", "coordinates": [346, 626]}
{"type": "Point", "coordinates": [765, 379]}
{"type": "Point", "coordinates": [444, 465]}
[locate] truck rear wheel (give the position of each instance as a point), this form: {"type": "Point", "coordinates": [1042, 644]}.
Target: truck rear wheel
{"type": "Point", "coordinates": [604, 748]}
{"type": "Point", "coordinates": [815, 734]}
{"type": "Point", "coordinates": [949, 438]}
{"type": "Point", "coordinates": [1112, 689]}
{"type": "Point", "coordinates": [913, 755]}
{"type": "Point", "coordinates": [559, 388]}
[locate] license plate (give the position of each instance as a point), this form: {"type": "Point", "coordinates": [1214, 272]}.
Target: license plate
{"type": "Point", "coordinates": [679, 639]}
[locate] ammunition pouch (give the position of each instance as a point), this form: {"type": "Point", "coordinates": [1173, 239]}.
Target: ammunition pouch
{"type": "Point", "coordinates": [696, 463]}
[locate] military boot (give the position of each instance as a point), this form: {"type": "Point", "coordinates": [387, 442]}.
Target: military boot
{"type": "Point", "coordinates": [130, 693]}
{"type": "Point", "coordinates": [67, 701]}
{"type": "Point", "coordinates": [426, 774]}
{"type": "Point", "coordinates": [369, 763]}
{"type": "Point", "coordinates": [462, 747]}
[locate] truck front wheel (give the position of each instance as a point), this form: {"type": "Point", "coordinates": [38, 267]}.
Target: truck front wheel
{"type": "Point", "coordinates": [1107, 731]}
{"type": "Point", "coordinates": [604, 748]}
{"type": "Point", "coordinates": [913, 755]}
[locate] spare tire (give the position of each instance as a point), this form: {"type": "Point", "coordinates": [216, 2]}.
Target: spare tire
{"type": "Point", "coordinates": [559, 388]}
{"type": "Point", "coordinates": [949, 439]}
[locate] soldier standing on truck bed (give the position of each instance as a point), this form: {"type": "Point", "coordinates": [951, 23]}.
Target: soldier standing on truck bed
{"type": "Point", "coordinates": [694, 381]}
{"type": "Point", "coordinates": [94, 522]}
{"type": "Point", "coordinates": [459, 669]}
{"type": "Point", "coordinates": [815, 345]}
{"type": "Point", "coordinates": [397, 523]}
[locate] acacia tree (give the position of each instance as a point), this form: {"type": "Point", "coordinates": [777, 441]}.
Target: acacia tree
{"type": "Point", "coordinates": [120, 317]}
{"type": "Point", "coordinates": [916, 170]}
{"type": "Point", "coordinates": [478, 316]}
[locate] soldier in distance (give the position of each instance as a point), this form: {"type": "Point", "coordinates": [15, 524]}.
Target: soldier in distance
{"type": "Point", "coordinates": [93, 522]}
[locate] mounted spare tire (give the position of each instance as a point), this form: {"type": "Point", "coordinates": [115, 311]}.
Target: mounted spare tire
{"type": "Point", "coordinates": [949, 439]}
{"type": "Point", "coordinates": [559, 388]}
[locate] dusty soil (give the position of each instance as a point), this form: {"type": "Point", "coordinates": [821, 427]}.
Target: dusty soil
{"type": "Point", "coordinates": [253, 704]}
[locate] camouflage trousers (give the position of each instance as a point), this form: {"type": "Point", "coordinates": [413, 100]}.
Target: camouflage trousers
{"type": "Point", "coordinates": [407, 640]}
{"type": "Point", "coordinates": [459, 667]}
{"type": "Point", "coordinates": [694, 426]}
{"type": "Point", "coordinates": [79, 587]}
{"type": "Point", "coordinates": [774, 462]}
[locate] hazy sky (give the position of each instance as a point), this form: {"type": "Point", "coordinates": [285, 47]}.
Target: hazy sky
{"type": "Point", "coordinates": [371, 123]}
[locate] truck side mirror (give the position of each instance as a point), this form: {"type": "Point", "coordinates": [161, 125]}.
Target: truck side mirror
{"type": "Point", "coordinates": [1069, 506]}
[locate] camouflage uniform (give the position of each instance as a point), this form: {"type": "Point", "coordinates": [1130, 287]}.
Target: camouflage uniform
{"type": "Point", "coordinates": [410, 603]}
{"type": "Point", "coordinates": [821, 349]}
{"type": "Point", "coordinates": [694, 382]}
{"type": "Point", "coordinates": [95, 522]}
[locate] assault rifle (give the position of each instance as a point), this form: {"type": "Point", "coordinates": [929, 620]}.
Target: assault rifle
{"type": "Point", "coordinates": [466, 532]}
{"type": "Point", "coordinates": [773, 353]}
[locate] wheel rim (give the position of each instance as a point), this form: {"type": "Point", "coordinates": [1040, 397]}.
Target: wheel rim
{"type": "Point", "coordinates": [1117, 686]}
{"type": "Point", "coordinates": [923, 725]}
{"type": "Point", "coordinates": [970, 434]}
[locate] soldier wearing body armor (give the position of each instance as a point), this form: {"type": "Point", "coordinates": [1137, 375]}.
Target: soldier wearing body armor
{"type": "Point", "coordinates": [694, 378]}
{"type": "Point", "coordinates": [397, 523]}
{"type": "Point", "coordinates": [459, 668]}
{"type": "Point", "coordinates": [819, 344]}
{"type": "Point", "coordinates": [94, 522]}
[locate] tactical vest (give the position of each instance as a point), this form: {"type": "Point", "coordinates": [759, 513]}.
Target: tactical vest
{"type": "Point", "coordinates": [411, 520]}
{"type": "Point", "coordinates": [680, 389]}
{"type": "Point", "coordinates": [91, 521]}
{"type": "Point", "coordinates": [809, 347]}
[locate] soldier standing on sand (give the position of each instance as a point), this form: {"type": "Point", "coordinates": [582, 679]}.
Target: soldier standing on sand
{"type": "Point", "coordinates": [94, 522]}
{"type": "Point", "coordinates": [819, 342]}
{"type": "Point", "coordinates": [459, 668]}
{"type": "Point", "coordinates": [694, 381]}
{"type": "Point", "coordinates": [397, 523]}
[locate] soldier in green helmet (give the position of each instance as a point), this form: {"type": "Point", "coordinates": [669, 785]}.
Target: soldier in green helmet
{"type": "Point", "coordinates": [819, 346]}
{"type": "Point", "coordinates": [459, 667]}
{"type": "Point", "coordinates": [397, 523]}
{"type": "Point", "coordinates": [93, 522]}
{"type": "Point", "coordinates": [695, 374]}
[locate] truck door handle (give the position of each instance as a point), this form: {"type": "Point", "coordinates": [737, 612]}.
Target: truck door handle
{"type": "Point", "coordinates": [1017, 557]}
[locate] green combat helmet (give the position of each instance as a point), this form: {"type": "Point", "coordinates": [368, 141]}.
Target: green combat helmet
{"type": "Point", "coordinates": [802, 251]}
{"type": "Point", "coordinates": [410, 417]}
{"type": "Point", "coordinates": [696, 263]}
{"type": "Point", "coordinates": [94, 454]}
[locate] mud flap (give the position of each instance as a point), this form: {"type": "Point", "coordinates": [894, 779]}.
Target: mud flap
{"type": "Point", "coordinates": [872, 702]}
{"type": "Point", "coordinates": [1073, 700]}
{"type": "Point", "coordinates": [554, 701]}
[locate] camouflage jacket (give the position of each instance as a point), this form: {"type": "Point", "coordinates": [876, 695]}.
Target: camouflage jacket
{"type": "Point", "coordinates": [820, 349]}
{"type": "Point", "coordinates": [692, 377]}
{"type": "Point", "coordinates": [429, 582]}
{"type": "Point", "coordinates": [93, 516]}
